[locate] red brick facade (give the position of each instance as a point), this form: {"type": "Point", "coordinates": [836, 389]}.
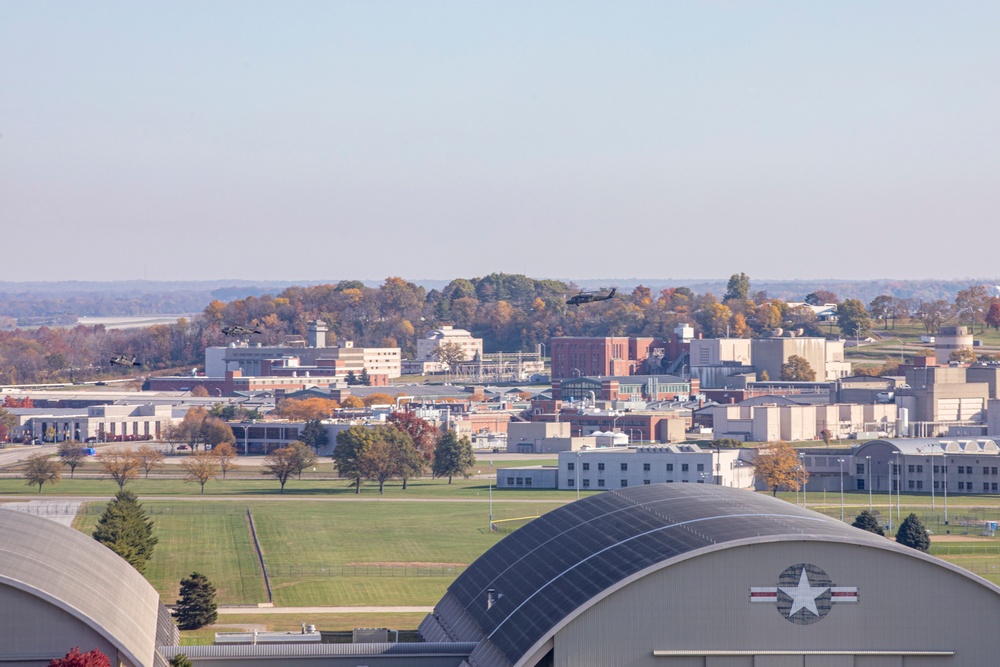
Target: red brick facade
{"type": "Point", "coordinates": [574, 356]}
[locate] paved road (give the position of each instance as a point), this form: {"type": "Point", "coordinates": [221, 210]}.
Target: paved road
{"type": "Point", "coordinates": [290, 498]}
{"type": "Point", "coordinates": [325, 610]}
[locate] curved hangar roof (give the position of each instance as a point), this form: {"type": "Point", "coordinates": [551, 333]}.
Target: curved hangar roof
{"type": "Point", "coordinates": [559, 563]}
{"type": "Point", "coordinates": [85, 579]}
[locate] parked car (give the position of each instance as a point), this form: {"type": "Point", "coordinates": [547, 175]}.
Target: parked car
{"type": "Point", "coordinates": [182, 448]}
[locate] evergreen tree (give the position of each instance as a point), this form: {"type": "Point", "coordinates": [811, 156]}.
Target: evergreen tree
{"type": "Point", "coordinates": [453, 456]}
{"type": "Point", "coordinates": [912, 534]}
{"type": "Point", "coordinates": [351, 379]}
{"type": "Point", "coordinates": [364, 378]}
{"type": "Point", "coordinates": [196, 607]}
{"type": "Point", "coordinates": [867, 521]}
{"type": "Point", "coordinates": [314, 435]}
{"type": "Point", "coordinates": [126, 529]}
{"type": "Point", "coordinates": [181, 660]}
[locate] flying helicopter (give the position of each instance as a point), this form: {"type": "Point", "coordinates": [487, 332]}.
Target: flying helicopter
{"type": "Point", "coordinates": [590, 297]}
{"type": "Point", "coordinates": [239, 330]}
{"type": "Point", "coordinates": [124, 360]}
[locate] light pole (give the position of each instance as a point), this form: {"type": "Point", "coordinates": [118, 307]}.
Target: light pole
{"type": "Point", "coordinates": [945, 459]}
{"type": "Point", "coordinates": [899, 481]}
{"type": "Point", "coordinates": [868, 466]}
{"type": "Point", "coordinates": [579, 471]}
{"type": "Point", "coordinates": [491, 496]}
{"type": "Point", "coordinates": [933, 463]}
{"type": "Point", "coordinates": [841, 461]}
{"type": "Point", "coordinates": [805, 498]}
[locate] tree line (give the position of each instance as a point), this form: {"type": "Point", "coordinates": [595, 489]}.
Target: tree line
{"type": "Point", "coordinates": [509, 312]}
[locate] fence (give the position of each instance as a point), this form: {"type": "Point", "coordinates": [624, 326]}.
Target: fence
{"type": "Point", "coordinates": [363, 570]}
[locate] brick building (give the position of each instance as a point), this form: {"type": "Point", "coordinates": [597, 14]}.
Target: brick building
{"type": "Point", "coordinates": [577, 356]}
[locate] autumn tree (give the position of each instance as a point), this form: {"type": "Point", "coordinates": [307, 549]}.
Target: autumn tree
{"type": "Point", "coordinates": [40, 470]}
{"type": "Point", "coordinates": [200, 467]}
{"type": "Point", "coordinates": [190, 428]}
{"type": "Point", "coordinates": [353, 461]}
{"type": "Point", "coordinates": [423, 433]}
{"type": "Point", "coordinates": [378, 398]}
{"type": "Point", "coordinates": [126, 529]}
{"type": "Point", "coordinates": [964, 355]}
{"type": "Point", "coordinates": [453, 456]}
{"type": "Point", "coordinates": [932, 314]}
{"type": "Point", "coordinates": [450, 354]}
{"type": "Point", "coordinates": [74, 658]}
{"type": "Point", "coordinates": [304, 457]}
{"type": "Point", "coordinates": [352, 402]}
{"type": "Point", "coordinates": [738, 287]}
{"type": "Point", "coordinates": [972, 304]}
{"type": "Point", "coordinates": [827, 435]}
{"type": "Point", "coordinates": [307, 409]}
{"type": "Point", "coordinates": [149, 458]}
{"type": "Point", "coordinates": [71, 455]}
{"type": "Point", "coordinates": [225, 457]}
{"type": "Point", "coordinates": [992, 317]}
{"type": "Point", "coordinates": [797, 369]}
{"type": "Point", "coordinates": [881, 308]}
{"type": "Point", "coordinates": [281, 464]}
{"type": "Point", "coordinates": [387, 457]}
{"type": "Point", "coordinates": [821, 297]}
{"type": "Point", "coordinates": [853, 318]}
{"type": "Point", "coordinates": [120, 464]}
{"type": "Point", "coordinates": [214, 432]}
{"type": "Point", "coordinates": [777, 465]}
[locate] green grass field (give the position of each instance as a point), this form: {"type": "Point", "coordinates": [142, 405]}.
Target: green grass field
{"type": "Point", "coordinates": [424, 487]}
{"type": "Point", "coordinates": [321, 554]}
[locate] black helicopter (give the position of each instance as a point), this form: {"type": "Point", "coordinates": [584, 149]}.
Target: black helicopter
{"type": "Point", "coordinates": [239, 330]}
{"type": "Point", "coordinates": [124, 360]}
{"type": "Point", "coordinates": [590, 297]}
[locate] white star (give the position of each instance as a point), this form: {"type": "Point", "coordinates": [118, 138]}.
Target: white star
{"type": "Point", "coordinates": [804, 596]}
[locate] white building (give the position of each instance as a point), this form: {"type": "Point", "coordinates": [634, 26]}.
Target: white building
{"type": "Point", "coordinates": [634, 466]}
{"type": "Point", "coordinates": [427, 348]}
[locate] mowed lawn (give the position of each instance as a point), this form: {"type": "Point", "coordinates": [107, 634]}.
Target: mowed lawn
{"type": "Point", "coordinates": [319, 553]}
{"type": "Point", "coordinates": [216, 544]}
{"type": "Point", "coordinates": [435, 540]}
{"type": "Point", "coordinates": [424, 487]}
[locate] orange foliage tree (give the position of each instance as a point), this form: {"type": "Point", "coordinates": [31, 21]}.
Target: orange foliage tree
{"type": "Point", "coordinates": [307, 409]}
{"type": "Point", "coordinates": [778, 465]}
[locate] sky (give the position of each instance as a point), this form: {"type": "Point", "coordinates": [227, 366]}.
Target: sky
{"type": "Point", "coordinates": [433, 140]}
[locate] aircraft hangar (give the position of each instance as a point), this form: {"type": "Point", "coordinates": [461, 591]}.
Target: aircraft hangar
{"type": "Point", "coordinates": [679, 575]}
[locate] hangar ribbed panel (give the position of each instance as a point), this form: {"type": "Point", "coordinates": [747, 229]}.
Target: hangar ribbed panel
{"type": "Point", "coordinates": [543, 572]}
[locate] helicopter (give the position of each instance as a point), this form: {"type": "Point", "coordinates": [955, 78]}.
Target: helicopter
{"type": "Point", "coordinates": [239, 330]}
{"type": "Point", "coordinates": [123, 360]}
{"type": "Point", "coordinates": [590, 297]}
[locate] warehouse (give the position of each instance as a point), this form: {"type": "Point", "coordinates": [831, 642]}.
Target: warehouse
{"type": "Point", "coordinates": [60, 589]}
{"type": "Point", "coordinates": [686, 575]}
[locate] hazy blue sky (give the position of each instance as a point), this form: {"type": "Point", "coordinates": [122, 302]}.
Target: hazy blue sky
{"type": "Point", "coordinates": [321, 140]}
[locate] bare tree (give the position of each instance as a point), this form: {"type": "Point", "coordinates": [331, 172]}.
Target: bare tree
{"type": "Point", "coordinates": [200, 467]}
{"type": "Point", "coordinates": [281, 464]}
{"type": "Point", "coordinates": [450, 354]}
{"type": "Point", "coordinates": [225, 456]}
{"type": "Point", "coordinates": [71, 455]}
{"type": "Point", "coordinates": [40, 470]}
{"type": "Point", "coordinates": [149, 458]}
{"type": "Point", "coordinates": [121, 464]}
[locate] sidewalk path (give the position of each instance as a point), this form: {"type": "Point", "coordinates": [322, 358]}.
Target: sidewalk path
{"type": "Point", "coordinates": [325, 610]}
